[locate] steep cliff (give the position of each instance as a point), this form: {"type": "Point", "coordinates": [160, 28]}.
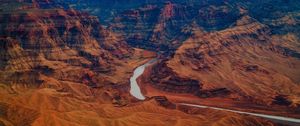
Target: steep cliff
{"type": "Point", "coordinates": [165, 26]}
{"type": "Point", "coordinates": [65, 44]}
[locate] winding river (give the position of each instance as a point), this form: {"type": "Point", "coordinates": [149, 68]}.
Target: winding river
{"type": "Point", "coordinates": [134, 87]}
{"type": "Point", "coordinates": [136, 92]}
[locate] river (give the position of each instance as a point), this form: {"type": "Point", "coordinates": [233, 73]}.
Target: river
{"type": "Point", "coordinates": [136, 92]}
{"type": "Point", "coordinates": [134, 87]}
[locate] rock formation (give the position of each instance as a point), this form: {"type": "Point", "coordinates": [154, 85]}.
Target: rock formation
{"type": "Point", "coordinates": [242, 59]}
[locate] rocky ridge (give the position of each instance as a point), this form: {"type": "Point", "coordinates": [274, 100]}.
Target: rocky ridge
{"type": "Point", "coordinates": [239, 59]}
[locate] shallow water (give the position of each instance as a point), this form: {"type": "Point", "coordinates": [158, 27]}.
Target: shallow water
{"type": "Point", "coordinates": [272, 117]}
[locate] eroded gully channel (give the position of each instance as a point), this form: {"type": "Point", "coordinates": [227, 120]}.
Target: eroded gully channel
{"type": "Point", "coordinates": [136, 92]}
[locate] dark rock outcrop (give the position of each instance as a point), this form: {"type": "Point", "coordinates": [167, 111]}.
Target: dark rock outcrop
{"type": "Point", "coordinates": [163, 101]}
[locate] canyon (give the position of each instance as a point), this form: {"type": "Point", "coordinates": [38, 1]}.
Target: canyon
{"type": "Point", "coordinates": [176, 62]}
